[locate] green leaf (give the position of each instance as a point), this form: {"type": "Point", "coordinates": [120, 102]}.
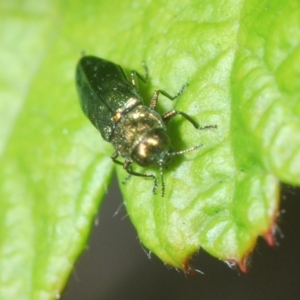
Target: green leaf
{"type": "Point", "coordinates": [54, 168]}
{"type": "Point", "coordinates": [241, 60]}
{"type": "Point", "coordinates": [242, 63]}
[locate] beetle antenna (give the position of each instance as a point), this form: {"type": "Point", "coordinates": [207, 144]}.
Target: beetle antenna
{"type": "Point", "coordinates": [184, 151]}
{"type": "Point", "coordinates": [162, 180]}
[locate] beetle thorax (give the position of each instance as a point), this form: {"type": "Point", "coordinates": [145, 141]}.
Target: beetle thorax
{"type": "Point", "coordinates": [141, 136]}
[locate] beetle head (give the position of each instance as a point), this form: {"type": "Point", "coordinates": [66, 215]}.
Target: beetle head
{"type": "Point", "coordinates": [153, 149]}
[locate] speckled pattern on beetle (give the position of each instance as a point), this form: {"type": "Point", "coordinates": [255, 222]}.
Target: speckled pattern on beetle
{"type": "Point", "coordinates": [114, 106]}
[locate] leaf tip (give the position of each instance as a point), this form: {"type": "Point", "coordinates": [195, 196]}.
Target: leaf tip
{"type": "Point", "coordinates": [269, 236]}
{"type": "Point", "coordinates": [187, 268]}
{"type": "Point", "coordinates": [243, 264]}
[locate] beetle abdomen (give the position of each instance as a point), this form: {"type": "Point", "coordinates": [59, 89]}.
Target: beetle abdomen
{"type": "Point", "coordinates": [103, 90]}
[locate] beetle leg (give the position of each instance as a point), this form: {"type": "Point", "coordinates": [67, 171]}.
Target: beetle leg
{"type": "Point", "coordinates": [127, 166]}
{"type": "Point", "coordinates": [154, 98]}
{"type": "Point", "coordinates": [183, 88]}
{"type": "Point", "coordinates": [169, 115]}
{"type": "Point", "coordinates": [128, 176]}
{"type": "Point", "coordinates": [114, 159]}
{"type": "Point", "coordinates": [135, 74]}
{"type": "Point", "coordinates": [162, 181]}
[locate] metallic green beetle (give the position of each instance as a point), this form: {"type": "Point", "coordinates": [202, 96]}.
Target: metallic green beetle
{"type": "Point", "coordinates": [114, 106]}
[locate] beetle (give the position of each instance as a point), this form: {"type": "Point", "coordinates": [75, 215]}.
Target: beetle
{"type": "Point", "coordinates": [115, 107]}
